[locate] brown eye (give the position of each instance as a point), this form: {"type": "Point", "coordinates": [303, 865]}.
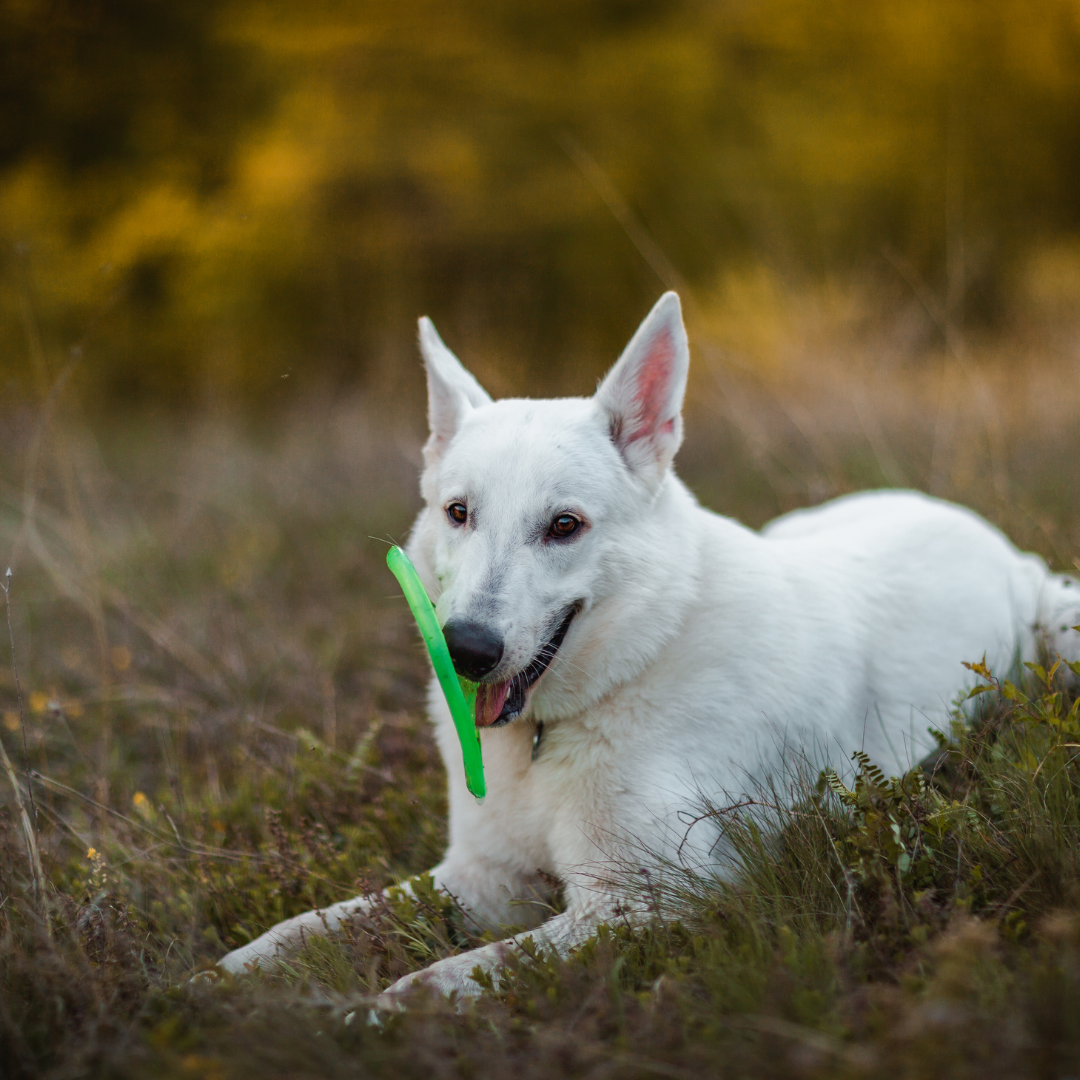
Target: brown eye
{"type": "Point", "coordinates": [563, 526]}
{"type": "Point", "coordinates": [457, 513]}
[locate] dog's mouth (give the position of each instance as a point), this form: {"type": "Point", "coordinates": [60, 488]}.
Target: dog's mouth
{"type": "Point", "coordinates": [499, 703]}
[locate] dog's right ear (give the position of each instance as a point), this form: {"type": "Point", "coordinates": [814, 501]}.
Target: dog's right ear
{"type": "Point", "coordinates": [452, 391]}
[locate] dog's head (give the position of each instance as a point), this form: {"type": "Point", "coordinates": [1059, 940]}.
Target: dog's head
{"type": "Point", "coordinates": [536, 512]}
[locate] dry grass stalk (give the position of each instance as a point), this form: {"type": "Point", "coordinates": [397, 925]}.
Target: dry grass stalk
{"type": "Point", "coordinates": [27, 821]}
{"type": "Point", "coordinates": [29, 836]}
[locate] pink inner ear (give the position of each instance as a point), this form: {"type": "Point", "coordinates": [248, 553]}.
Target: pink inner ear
{"type": "Point", "coordinates": [654, 377]}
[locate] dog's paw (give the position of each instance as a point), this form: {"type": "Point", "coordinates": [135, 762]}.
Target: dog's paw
{"type": "Point", "coordinates": [451, 977]}
{"type": "Point", "coordinates": [247, 959]}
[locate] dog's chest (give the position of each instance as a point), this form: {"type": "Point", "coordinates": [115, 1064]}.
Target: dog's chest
{"type": "Point", "coordinates": [554, 793]}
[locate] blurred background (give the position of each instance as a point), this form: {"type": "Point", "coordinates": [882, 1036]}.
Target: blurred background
{"type": "Point", "coordinates": [198, 199]}
{"type": "Point", "coordinates": [219, 222]}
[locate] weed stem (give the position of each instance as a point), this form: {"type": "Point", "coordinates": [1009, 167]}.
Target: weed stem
{"type": "Point", "coordinates": [6, 586]}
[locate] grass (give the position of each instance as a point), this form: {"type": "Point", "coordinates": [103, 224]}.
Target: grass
{"type": "Point", "coordinates": [223, 726]}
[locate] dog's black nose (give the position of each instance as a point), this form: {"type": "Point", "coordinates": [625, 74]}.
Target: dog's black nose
{"type": "Point", "coordinates": [474, 649]}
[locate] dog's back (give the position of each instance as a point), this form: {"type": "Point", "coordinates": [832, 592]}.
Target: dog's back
{"type": "Point", "coordinates": [932, 541]}
{"type": "Point", "coordinates": [926, 585]}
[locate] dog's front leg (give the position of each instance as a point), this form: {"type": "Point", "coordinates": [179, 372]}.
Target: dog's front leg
{"type": "Point", "coordinates": [288, 936]}
{"type": "Point", "coordinates": [560, 934]}
{"type": "Point", "coordinates": [489, 895]}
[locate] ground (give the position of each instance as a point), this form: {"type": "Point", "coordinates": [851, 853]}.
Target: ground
{"type": "Point", "coordinates": [221, 725]}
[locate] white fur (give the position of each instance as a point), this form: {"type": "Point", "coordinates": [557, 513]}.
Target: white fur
{"type": "Point", "coordinates": [700, 647]}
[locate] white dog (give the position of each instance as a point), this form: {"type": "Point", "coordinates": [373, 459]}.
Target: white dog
{"type": "Point", "coordinates": [636, 651]}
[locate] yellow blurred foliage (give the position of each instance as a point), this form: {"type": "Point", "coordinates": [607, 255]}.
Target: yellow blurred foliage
{"type": "Point", "coordinates": [243, 191]}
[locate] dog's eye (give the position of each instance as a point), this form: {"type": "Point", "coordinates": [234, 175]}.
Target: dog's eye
{"type": "Point", "coordinates": [457, 513]}
{"type": "Point", "coordinates": [563, 526]}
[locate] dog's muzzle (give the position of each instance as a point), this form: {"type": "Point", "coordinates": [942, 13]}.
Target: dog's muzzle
{"type": "Point", "coordinates": [499, 703]}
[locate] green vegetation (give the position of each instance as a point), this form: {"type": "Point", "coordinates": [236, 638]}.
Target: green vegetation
{"type": "Point", "coordinates": [222, 698]}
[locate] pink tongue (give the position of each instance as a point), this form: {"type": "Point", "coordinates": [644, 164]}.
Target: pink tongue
{"type": "Point", "coordinates": [489, 702]}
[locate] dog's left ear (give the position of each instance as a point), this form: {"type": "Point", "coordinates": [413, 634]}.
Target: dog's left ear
{"type": "Point", "coordinates": [452, 391]}
{"type": "Point", "coordinates": [640, 400]}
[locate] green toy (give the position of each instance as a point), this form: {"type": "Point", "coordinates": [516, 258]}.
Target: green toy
{"type": "Point", "coordinates": [460, 693]}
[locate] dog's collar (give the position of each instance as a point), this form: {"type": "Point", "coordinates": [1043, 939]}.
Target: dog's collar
{"type": "Point", "coordinates": [539, 734]}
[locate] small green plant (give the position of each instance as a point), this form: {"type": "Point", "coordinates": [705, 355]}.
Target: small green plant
{"type": "Point", "coordinates": [901, 828]}
{"type": "Point", "coordinates": [977, 827]}
{"type": "Point", "coordinates": [1044, 704]}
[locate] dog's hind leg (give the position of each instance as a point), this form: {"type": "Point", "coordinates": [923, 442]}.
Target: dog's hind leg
{"type": "Point", "coordinates": [1061, 615]}
{"type": "Point", "coordinates": [489, 895]}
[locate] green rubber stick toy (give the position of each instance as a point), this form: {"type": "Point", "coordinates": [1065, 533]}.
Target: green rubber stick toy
{"type": "Point", "coordinates": [460, 693]}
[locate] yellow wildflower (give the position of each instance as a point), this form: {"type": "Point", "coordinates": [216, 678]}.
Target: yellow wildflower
{"type": "Point", "coordinates": [142, 805]}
